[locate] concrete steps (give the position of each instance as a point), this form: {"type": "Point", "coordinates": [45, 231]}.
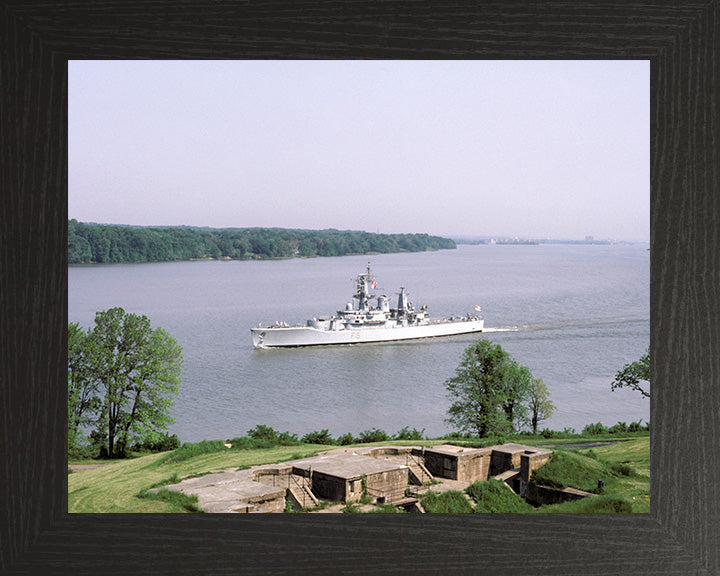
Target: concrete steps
{"type": "Point", "coordinates": [300, 494]}
{"type": "Point", "coordinates": [418, 474]}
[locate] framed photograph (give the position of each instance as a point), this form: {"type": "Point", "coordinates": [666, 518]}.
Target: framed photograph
{"type": "Point", "coordinates": [40, 44]}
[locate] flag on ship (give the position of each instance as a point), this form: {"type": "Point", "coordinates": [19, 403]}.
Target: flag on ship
{"type": "Point", "coordinates": [477, 308]}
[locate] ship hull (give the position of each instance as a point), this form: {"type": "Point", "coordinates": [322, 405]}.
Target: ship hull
{"type": "Point", "coordinates": [296, 336]}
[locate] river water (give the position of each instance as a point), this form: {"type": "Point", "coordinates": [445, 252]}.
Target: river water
{"type": "Point", "coordinates": [573, 314]}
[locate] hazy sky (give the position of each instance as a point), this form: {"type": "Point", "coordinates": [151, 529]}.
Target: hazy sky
{"type": "Point", "coordinates": [513, 148]}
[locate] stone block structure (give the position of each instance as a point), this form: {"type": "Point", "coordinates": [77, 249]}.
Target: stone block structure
{"type": "Point", "coordinates": [478, 464]}
{"type": "Point", "coordinates": [458, 463]}
{"type": "Point", "coordinates": [341, 476]}
{"type": "Point", "coordinates": [381, 473]}
{"type": "Point", "coordinates": [347, 477]}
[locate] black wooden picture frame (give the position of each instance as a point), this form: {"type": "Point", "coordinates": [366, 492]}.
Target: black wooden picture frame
{"type": "Point", "coordinates": [681, 535]}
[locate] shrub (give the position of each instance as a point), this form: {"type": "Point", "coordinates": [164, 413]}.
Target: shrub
{"type": "Point", "coordinates": [346, 439]}
{"type": "Point", "coordinates": [446, 502]}
{"type": "Point", "coordinates": [494, 496]}
{"type": "Point", "coordinates": [322, 437]}
{"type": "Point", "coordinates": [262, 432]}
{"type": "Point", "coordinates": [407, 434]}
{"type": "Point", "coordinates": [287, 439]}
{"type": "Point", "coordinates": [547, 433]}
{"type": "Point", "coordinates": [623, 469]}
{"type": "Point", "coordinates": [373, 435]}
{"type": "Point", "coordinates": [83, 452]}
{"type": "Point", "coordinates": [619, 428]}
{"type": "Point", "coordinates": [264, 437]}
{"type": "Point", "coordinates": [595, 429]}
{"type": "Point", "coordinates": [163, 444]}
{"type": "Point", "coordinates": [637, 426]}
{"type": "Point", "coordinates": [350, 508]}
{"type": "Point", "coordinates": [458, 436]}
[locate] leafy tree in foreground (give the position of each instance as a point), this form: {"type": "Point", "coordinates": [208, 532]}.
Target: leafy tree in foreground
{"type": "Point", "coordinates": [137, 370]}
{"type": "Point", "coordinates": [489, 390]}
{"type": "Point", "coordinates": [82, 387]}
{"type": "Point", "coordinates": [635, 376]}
{"type": "Point", "coordinates": [539, 404]}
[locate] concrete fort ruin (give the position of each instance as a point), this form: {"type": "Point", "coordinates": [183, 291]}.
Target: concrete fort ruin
{"type": "Point", "coordinates": [383, 475]}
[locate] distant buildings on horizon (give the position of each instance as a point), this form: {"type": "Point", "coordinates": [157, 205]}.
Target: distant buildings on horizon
{"type": "Point", "coordinates": [517, 240]}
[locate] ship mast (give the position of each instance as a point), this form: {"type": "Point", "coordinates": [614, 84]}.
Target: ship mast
{"type": "Point", "coordinates": [364, 283]}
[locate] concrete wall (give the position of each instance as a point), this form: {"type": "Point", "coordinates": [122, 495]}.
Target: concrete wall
{"type": "Point", "coordinates": [274, 476]}
{"type": "Point", "coordinates": [441, 465]}
{"type": "Point", "coordinates": [504, 461]}
{"type": "Point", "coordinates": [463, 466]}
{"type": "Point", "coordinates": [330, 487]}
{"type": "Point", "coordinates": [270, 502]}
{"type": "Point", "coordinates": [530, 462]}
{"type": "Point", "coordinates": [473, 467]}
{"type": "Point", "coordinates": [392, 451]}
{"type": "Point", "coordinates": [389, 485]}
{"type": "Point", "coordinates": [382, 484]}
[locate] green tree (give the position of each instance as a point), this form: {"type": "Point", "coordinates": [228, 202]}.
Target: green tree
{"type": "Point", "coordinates": [305, 248]}
{"type": "Point", "coordinates": [539, 404]}
{"type": "Point", "coordinates": [518, 381]}
{"type": "Point", "coordinates": [635, 376]}
{"type": "Point", "coordinates": [138, 371]}
{"type": "Point", "coordinates": [489, 390]}
{"type": "Point", "coordinates": [82, 387]}
{"type": "Point", "coordinates": [78, 247]}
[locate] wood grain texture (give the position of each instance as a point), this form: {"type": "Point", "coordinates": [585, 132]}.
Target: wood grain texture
{"type": "Point", "coordinates": [682, 534]}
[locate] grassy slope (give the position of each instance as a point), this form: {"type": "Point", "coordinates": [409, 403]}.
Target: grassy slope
{"type": "Point", "coordinates": [114, 487]}
{"type": "Point", "coordinates": [495, 496]}
{"type": "Point", "coordinates": [634, 489]}
{"type": "Point", "coordinates": [636, 454]}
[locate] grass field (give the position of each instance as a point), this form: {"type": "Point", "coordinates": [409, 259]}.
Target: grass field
{"type": "Point", "coordinates": [115, 487]}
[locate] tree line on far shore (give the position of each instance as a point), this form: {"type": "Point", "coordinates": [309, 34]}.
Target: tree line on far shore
{"type": "Point", "coordinates": [97, 243]}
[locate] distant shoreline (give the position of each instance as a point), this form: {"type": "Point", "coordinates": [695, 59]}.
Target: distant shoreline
{"type": "Point", "coordinates": [109, 244]}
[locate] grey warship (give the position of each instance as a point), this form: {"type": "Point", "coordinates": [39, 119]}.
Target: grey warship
{"type": "Point", "coordinates": [361, 322]}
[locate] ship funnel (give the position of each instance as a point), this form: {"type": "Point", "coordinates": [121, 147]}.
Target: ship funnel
{"type": "Point", "coordinates": [402, 300]}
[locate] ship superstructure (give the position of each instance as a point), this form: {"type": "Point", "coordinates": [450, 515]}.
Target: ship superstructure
{"type": "Point", "coordinates": [362, 322]}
